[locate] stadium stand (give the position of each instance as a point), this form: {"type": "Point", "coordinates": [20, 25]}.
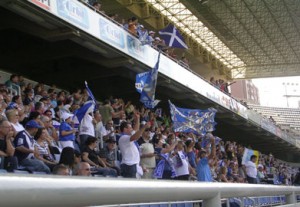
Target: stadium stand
{"type": "Point", "coordinates": [286, 118]}
{"type": "Point", "coordinates": [101, 143]}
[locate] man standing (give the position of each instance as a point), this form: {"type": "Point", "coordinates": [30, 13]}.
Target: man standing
{"type": "Point", "coordinates": [147, 155]}
{"type": "Point", "coordinates": [25, 151]}
{"type": "Point", "coordinates": [129, 147]}
{"type": "Point", "coordinates": [203, 169]}
{"type": "Point", "coordinates": [251, 170]}
{"type": "Point", "coordinates": [7, 149]}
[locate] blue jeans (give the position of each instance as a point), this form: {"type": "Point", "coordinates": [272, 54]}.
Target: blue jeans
{"type": "Point", "coordinates": [128, 171]}
{"type": "Point", "coordinates": [35, 165]}
{"type": "Point", "coordinates": [105, 171]}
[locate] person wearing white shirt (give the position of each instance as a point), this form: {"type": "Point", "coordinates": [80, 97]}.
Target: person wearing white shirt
{"type": "Point", "coordinates": [129, 147]}
{"type": "Point", "coordinates": [100, 130]}
{"type": "Point", "coordinates": [251, 170]}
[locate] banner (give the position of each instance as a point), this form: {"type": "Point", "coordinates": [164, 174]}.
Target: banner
{"type": "Point", "coordinates": [172, 37]}
{"type": "Point", "coordinates": [248, 153]}
{"type": "Point", "coordinates": [193, 120]}
{"type": "Point", "coordinates": [145, 84]}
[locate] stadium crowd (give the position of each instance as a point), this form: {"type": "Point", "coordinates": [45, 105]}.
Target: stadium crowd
{"type": "Point", "coordinates": [40, 134]}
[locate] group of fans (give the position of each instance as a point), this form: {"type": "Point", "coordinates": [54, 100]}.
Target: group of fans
{"type": "Point", "coordinates": [139, 31]}
{"type": "Point", "coordinates": [40, 133]}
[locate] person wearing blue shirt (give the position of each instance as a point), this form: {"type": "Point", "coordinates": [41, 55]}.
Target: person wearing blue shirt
{"type": "Point", "coordinates": [66, 131]}
{"type": "Point", "coordinates": [25, 151]}
{"type": "Point", "coordinates": [203, 169]}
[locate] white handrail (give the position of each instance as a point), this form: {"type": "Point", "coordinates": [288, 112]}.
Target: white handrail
{"type": "Point", "coordinates": [42, 190]}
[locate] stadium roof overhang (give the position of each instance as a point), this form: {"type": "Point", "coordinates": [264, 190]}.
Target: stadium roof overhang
{"type": "Point", "coordinates": [48, 50]}
{"type": "Point", "coordinates": [242, 38]}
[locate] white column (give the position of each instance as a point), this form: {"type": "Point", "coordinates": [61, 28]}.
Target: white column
{"type": "Point", "coordinates": [213, 202]}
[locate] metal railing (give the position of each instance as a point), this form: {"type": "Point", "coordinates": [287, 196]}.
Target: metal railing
{"type": "Point", "coordinates": [42, 190]}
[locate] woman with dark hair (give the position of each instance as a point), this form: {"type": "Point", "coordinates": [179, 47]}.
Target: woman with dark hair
{"type": "Point", "coordinates": [67, 158]}
{"type": "Point", "coordinates": [90, 156]}
{"type": "Point", "coordinates": [42, 147]}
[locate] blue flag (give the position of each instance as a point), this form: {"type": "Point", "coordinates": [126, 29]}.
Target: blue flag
{"type": "Point", "coordinates": [88, 107]}
{"type": "Point", "coordinates": [91, 96]}
{"type": "Point", "coordinates": [172, 37]}
{"type": "Point", "coordinates": [160, 167]}
{"type": "Point", "coordinates": [145, 84]}
{"type": "Point", "coordinates": [193, 120]}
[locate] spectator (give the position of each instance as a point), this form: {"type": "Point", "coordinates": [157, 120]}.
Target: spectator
{"type": "Point", "coordinates": [163, 151]}
{"type": "Point", "coordinates": [109, 155]}
{"type": "Point", "coordinates": [90, 156]}
{"type": "Point", "coordinates": [132, 26]}
{"type": "Point", "coordinates": [25, 151]}
{"type": "Point", "coordinates": [260, 173]}
{"type": "Point", "coordinates": [29, 97]}
{"type": "Point", "coordinates": [17, 103]}
{"type": "Point", "coordinates": [67, 158]}
{"type": "Point", "coordinates": [61, 170]}
{"type": "Point", "coordinates": [113, 17]}
{"type": "Point", "coordinates": [142, 34]}
{"type": "Point", "coordinates": [190, 144]}
{"type": "Point", "coordinates": [181, 163]}
{"type": "Point", "coordinates": [108, 112]}
{"type": "Point", "coordinates": [13, 84]}
{"type": "Point", "coordinates": [66, 131]}
{"type": "Point", "coordinates": [43, 149]}
{"type": "Point", "coordinates": [251, 170]}
{"type": "Point", "coordinates": [109, 131]}
{"type": "Point", "coordinates": [296, 180]}
{"type": "Point", "coordinates": [100, 130]}
{"type": "Point", "coordinates": [52, 133]}
{"type": "Point", "coordinates": [147, 155]}
{"type": "Point", "coordinates": [129, 148]}
{"type": "Point", "coordinates": [97, 7]}
{"type": "Point", "coordinates": [82, 169]}
{"type": "Point", "coordinates": [3, 106]}
{"type": "Point", "coordinates": [222, 175]}
{"type": "Point", "coordinates": [203, 169]}
{"type": "Point", "coordinates": [13, 117]}
{"type": "Point", "coordinates": [118, 106]}
{"type": "Point", "coordinates": [7, 149]}
{"type": "Point", "coordinates": [39, 107]}
{"type": "Point", "coordinates": [150, 38]}
{"type": "Point", "coordinates": [86, 127]}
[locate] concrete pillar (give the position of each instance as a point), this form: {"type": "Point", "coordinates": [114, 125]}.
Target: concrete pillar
{"type": "Point", "coordinates": [291, 198]}
{"type": "Point", "coordinates": [213, 202]}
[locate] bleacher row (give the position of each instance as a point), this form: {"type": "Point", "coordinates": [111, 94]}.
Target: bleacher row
{"type": "Point", "coordinates": [282, 116]}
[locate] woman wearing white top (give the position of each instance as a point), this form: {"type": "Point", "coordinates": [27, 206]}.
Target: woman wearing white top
{"type": "Point", "coordinates": [13, 117]}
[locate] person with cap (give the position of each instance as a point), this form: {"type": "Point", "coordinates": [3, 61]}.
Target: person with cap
{"type": "Point", "coordinates": [25, 151]}
{"type": "Point", "coordinates": [150, 38]}
{"type": "Point", "coordinates": [159, 43]}
{"type": "Point", "coordinates": [66, 131]}
{"type": "Point", "coordinates": [109, 154]}
{"type": "Point", "coordinates": [261, 173]}
{"type": "Point", "coordinates": [142, 34]}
